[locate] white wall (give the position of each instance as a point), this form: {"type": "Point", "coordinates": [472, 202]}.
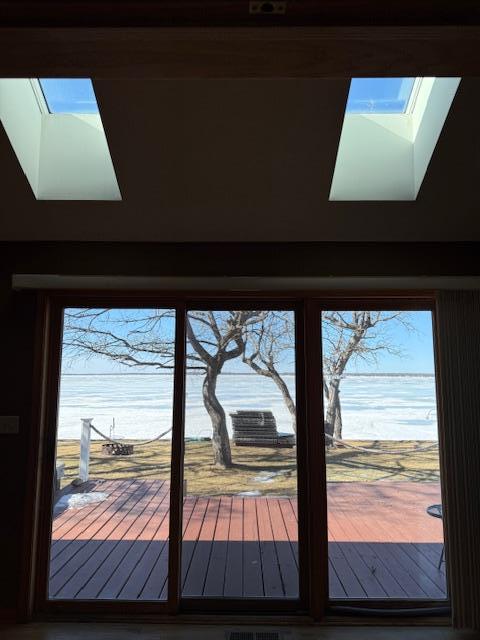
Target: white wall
{"type": "Point", "coordinates": [22, 120]}
{"type": "Point", "coordinates": [373, 162]}
{"type": "Point", "coordinates": [75, 162]}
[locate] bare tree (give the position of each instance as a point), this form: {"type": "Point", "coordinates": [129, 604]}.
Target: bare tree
{"type": "Point", "coordinates": [270, 343]}
{"type": "Point", "coordinates": [216, 337]}
{"type": "Point", "coordinates": [145, 338]}
{"type": "Point", "coordinates": [349, 336]}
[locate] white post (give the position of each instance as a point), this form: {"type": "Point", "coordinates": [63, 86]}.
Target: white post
{"type": "Point", "coordinates": [84, 449]}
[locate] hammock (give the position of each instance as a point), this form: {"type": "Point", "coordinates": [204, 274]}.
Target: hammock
{"type": "Point", "coordinates": [137, 444]}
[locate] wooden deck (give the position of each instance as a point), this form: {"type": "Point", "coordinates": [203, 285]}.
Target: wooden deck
{"type": "Point", "coordinates": [382, 544]}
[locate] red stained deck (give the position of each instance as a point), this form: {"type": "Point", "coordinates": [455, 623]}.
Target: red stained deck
{"type": "Point", "coordinates": [382, 544]}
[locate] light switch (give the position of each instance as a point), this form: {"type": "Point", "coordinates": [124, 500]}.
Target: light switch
{"type": "Point", "coordinates": [9, 425]}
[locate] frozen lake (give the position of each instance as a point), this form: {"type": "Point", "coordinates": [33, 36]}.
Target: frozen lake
{"type": "Point", "coordinates": [373, 407]}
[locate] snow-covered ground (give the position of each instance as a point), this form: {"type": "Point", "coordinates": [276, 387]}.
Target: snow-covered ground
{"type": "Point", "coordinates": [374, 407]}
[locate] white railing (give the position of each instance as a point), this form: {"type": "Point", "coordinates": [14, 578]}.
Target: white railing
{"type": "Point", "coordinates": [84, 464]}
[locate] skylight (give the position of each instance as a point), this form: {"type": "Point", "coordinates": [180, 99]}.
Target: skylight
{"type": "Point", "coordinates": [379, 95]}
{"type": "Point", "coordinates": [56, 131]}
{"type": "Point", "coordinates": [389, 133]}
{"type": "Point", "coordinates": [69, 95]}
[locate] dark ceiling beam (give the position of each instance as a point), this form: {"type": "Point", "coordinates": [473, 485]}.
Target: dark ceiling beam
{"type": "Point", "coordinates": [236, 13]}
{"type": "Point", "coordinates": [242, 259]}
{"type": "Point", "coordinates": [216, 52]}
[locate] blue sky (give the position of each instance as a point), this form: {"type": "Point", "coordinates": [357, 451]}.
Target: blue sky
{"type": "Point", "coordinates": [417, 348]}
{"type": "Point", "coordinates": [69, 95]}
{"type": "Point", "coordinates": [379, 95]}
{"type": "Point", "coordinates": [366, 95]}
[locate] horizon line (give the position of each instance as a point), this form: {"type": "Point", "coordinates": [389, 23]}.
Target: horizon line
{"type": "Point", "coordinates": [381, 374]}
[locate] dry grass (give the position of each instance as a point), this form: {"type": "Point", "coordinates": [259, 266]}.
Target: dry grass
{"type": "Point", "coordinates": [269, 471]}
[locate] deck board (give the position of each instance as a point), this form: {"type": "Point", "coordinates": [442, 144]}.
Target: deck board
{"type": "Point", "coordinates": [252, 561]}
{"type": "Point", "coordinates": [91, 566]}
{"type": "Point", "coordinates": [382, 544]}
{"type": "Point", "coordinates": [233, 585]}
{"type": "Point", "coordinates": [287, 564]}
{"type": "Point", "coordinates": [215, 574]}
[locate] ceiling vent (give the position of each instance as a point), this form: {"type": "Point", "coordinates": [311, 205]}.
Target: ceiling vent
{"type": "Point", "coordinates": [253, 635]}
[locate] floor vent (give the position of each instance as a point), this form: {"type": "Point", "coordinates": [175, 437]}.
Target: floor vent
{"type": "Point", "coordinates": [253, 635]}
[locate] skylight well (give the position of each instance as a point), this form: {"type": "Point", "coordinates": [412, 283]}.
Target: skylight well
{"type": "Point", "coordinates": [390, 129]}
{"type": "Point", "coordinates": [55, 128]}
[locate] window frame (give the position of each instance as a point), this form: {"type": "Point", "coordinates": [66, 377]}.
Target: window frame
{"type": "Point", "coordinates": [314, 603]}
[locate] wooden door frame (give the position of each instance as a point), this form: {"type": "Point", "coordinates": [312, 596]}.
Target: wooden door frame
{"type": "Point", "coordinates": [311, 485]}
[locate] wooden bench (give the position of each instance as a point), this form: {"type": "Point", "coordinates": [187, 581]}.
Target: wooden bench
{"type": "Point", "coordinates": [258, 429]}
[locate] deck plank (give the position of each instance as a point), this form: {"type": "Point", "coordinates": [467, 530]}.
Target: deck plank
{"type": "Point", "coordinates": [195, 578]}
{"type": "Point", "coordinates": [233, 585]}
{"type": "Point", "coordinates": [215, 578]}
{"type": "Point", "coordinates": [118, 570]}
{"type": "Point", "coordinates": [72, 527]}
{"type": "Point", "coordinates": [382, 544]}
{"type": "Point", "coordinates": [68, 517]}
{"type": "Point", "coordinates": [285, 553]}
{"type": "Point", "coordinates": [377, 560]}
{"type": "Point", "coordinates": [252, 559]}
{"type": "Point", "coordinates": [91, 528]}
{"type": "Point", "coordinates": [391, 518]}
{"type": "Point", "coordinates": [133, 587]}
{"type": "Point", "coordinates": [155, 576]}
{"type": "Point", "coordinates": [335, 587]}
{"type": "Point", "coordinates": [191, 534]}
{"type": "Point", "coordinates": [93, 556]}
{"type": "Point", "coordinates": [351, 585]}
{"type": "Point", "coordinates": [272, 581]}
{"type": "Point", "coordinates": [359, 564]}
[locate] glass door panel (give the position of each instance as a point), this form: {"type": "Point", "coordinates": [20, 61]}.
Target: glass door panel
{"type": "Point", "coordinates": [240, 525]}
{"type": "Point", "coordinates": [383, 480]}
{"type": "Point", "coordinates": [110, 521]}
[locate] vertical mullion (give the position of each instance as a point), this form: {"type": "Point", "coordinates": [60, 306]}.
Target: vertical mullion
{"type": "Point", "coordinates": [176, 472]}
{"type": "Point", "coordinates": [27, 591]}
{"type": "Point", "coordinates": [304, 540]}
{"type": "Point", "coordinates": [318, 531]}
{"type": "Point", "coordinates": [47, 449]}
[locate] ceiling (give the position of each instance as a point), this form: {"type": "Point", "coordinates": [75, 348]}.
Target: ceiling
{"type": "Point", "coordinates": [245, 160]}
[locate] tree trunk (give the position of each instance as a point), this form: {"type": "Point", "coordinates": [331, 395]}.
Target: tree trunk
{"type": "Point", "coordinates": [222, 455]}
{"type": "Point", "coordinates": [333, 408]}
{"type": "Point", "coordinates": [337, 429]}
{"type": "Point", "coordinates": [286, 397]}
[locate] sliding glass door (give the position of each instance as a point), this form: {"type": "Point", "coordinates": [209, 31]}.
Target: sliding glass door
{"type": "Point", "coordinates": [385, 534]}
{"type": "Point", "coordinates": [175, 470]}
{"type": "Point", "coordinates": [110, 522]}
{"type": "Point", "coordinates": [218, 454]}
{"type": "Point", "coordinates": [240, 515]}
